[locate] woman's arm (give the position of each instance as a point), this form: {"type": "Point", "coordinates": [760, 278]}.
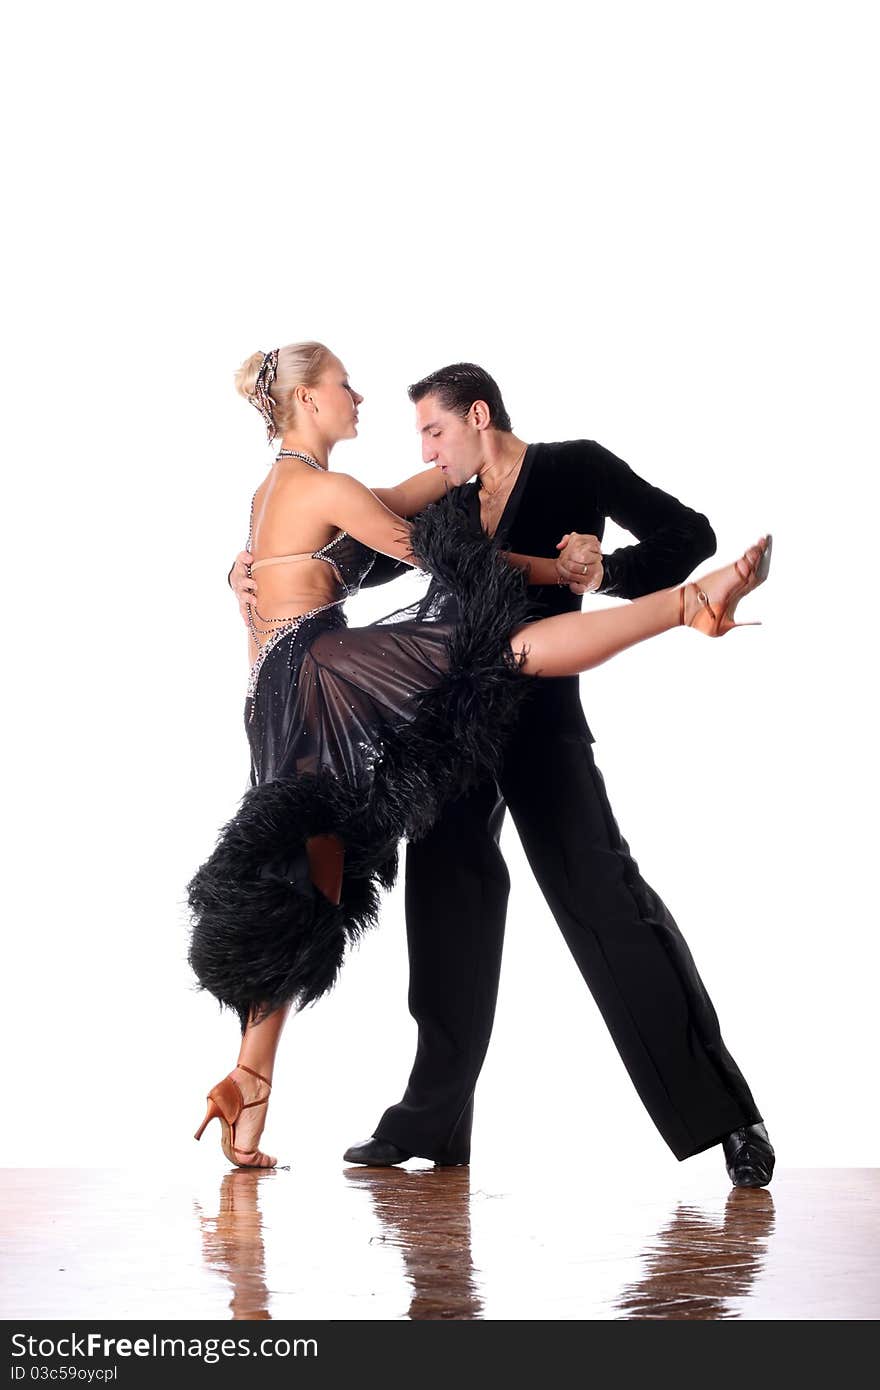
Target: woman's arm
{"type": "Point", "coordinates": [355, 509]}
{"type": "Point", "coordinates": [358, 510]}
{"type": "Point", "coordinates": [412, 495]}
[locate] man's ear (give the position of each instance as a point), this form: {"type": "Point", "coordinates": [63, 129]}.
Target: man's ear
{"type": "Point", "coordinates": [481, 415]}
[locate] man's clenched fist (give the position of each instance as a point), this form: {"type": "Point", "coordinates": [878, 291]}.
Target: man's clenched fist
{"type": "Point", "coordinates": [580, 562]}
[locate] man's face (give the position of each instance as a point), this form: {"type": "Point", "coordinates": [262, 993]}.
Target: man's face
{"type": "Point", "coordinates": [452, 444]}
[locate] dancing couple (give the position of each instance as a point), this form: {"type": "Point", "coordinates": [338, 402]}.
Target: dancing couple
{"type": "Point", "coordinates": [425, 726]}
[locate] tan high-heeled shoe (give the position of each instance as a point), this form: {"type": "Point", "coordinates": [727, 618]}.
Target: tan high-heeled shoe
{"type": "Point", "coordinates": [715, 622]}
{"type": "Point", "coordinates": [225, 1103]}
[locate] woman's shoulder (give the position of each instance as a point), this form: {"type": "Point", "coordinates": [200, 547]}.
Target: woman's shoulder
{"type": "Point", "coordinates": [306, 488]}
{"type": "Point", "coordinates": [334, 480]}
{"type": "Point", "coordinates": [282, 496]}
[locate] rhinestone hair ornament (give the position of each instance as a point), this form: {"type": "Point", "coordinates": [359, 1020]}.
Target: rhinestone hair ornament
{"type": "Point", "coordinates": [261, 398]}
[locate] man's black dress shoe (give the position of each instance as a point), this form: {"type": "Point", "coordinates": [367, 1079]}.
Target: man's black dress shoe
{"type": "Point", "coordinates": [749, 1156]}
{"type": "Point", "coordinates": [376, 1153]}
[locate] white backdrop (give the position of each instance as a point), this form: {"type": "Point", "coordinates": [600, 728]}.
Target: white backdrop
{"type": "Point", "coordinates": [656, 225]}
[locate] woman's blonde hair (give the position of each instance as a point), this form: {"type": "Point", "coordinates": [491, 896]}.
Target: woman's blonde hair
{"type": "Point", "coordinates": [269, 379]}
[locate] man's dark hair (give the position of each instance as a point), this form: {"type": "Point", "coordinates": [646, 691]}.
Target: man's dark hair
{"type": "Point", "coordinates": [458, 386]}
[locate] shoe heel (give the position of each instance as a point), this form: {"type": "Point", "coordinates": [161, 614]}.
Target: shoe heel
{"type": "Point", "coordinates": [225, 1103]}
{"type": "Point", "coordinates": [214, 1112]}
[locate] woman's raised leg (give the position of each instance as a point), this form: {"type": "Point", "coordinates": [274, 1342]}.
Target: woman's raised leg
{"type": "Point", "coordinates": [569, 643]}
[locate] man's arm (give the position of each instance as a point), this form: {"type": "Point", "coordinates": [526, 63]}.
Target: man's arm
{"type": "Point", "coordinates": [540, 570]}
{"type": "Point", "coordinates": [672, 538]}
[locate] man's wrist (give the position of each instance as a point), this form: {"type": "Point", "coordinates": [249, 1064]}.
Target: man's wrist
{"type": "Point", "coordinates": [607, 581]}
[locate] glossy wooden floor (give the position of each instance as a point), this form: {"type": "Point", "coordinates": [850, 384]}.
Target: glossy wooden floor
{"type": "Point", "coordinates": [532, 1243]}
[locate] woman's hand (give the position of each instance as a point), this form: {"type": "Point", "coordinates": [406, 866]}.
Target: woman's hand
{"type": "Point", "coordinates": [241, 584]}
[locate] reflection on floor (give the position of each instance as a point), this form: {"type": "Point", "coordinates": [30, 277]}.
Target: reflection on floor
{"type": "Point", "coordinates": [699, 1267]}
{"type": "Point", "coordinates": [424, 1243]}
{"type": "Point", "coordinates": [425, 1213]}
{"type": "Point", "coordinates": [232, 1244]}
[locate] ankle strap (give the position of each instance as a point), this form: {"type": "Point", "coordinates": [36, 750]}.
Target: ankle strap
{"type": "Point", "coordinates": [700, 597]}
{"type": "Point", "coordinates": [250, 1071]}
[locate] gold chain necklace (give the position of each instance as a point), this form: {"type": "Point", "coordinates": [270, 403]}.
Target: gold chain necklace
{"type": "Point", "coordinates": [495, 491]}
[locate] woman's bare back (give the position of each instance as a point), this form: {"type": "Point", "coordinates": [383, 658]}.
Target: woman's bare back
{"type": "Point", "coordinates": [287, 520]}
{"type": "Point", "coordinates": [298, 511]}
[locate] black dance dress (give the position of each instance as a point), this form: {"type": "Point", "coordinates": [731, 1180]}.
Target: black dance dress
{"type": "Point", "coordinates": [365, 733]}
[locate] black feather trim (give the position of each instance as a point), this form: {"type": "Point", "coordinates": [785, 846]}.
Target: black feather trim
{"type": "Point", "coordinates": [262, 933]}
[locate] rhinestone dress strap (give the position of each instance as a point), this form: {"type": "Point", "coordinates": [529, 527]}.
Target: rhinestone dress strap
{"type": "Point", "coordinates": [323, 553]}
{"type": "Point", "coordinates": [290, 627]}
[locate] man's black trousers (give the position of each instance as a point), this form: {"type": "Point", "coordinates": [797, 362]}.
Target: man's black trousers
{"type": "Point", "coordinates": [625, 942]}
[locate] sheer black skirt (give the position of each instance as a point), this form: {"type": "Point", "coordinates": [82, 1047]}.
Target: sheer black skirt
{"type": "Point", "coordinates": [364, 733]}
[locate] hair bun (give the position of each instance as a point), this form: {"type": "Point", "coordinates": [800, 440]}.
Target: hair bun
{"type": "Point", "coordinates": [246, 376]}
{"type": "Point", "coordinates": [269, 381]}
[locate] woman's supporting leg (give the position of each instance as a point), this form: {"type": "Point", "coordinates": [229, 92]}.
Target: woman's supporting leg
{"type": "Point", "coordinates": [259, 1044]}
{"type": "Point", "coordinates": [326, 856]}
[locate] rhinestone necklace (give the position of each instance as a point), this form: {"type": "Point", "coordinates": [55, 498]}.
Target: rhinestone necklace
{"type": "Point", "coordinates": [295, 454]}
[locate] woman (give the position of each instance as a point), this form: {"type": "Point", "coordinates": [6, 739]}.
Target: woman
{"type": "Point", "coordinates": [358, 737]}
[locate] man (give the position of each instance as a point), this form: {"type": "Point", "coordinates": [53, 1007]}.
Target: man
{"type": "Point", "coordinates": [626, 945]}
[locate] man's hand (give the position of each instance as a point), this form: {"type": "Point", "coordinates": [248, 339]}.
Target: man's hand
{"type": "Point", "coordinates": [242, 585]}
{"type": "Point", "coordinates": [579, 563]}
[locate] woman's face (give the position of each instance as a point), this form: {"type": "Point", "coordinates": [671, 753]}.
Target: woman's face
{"type": "Point", "coordinates": [336, 402]}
